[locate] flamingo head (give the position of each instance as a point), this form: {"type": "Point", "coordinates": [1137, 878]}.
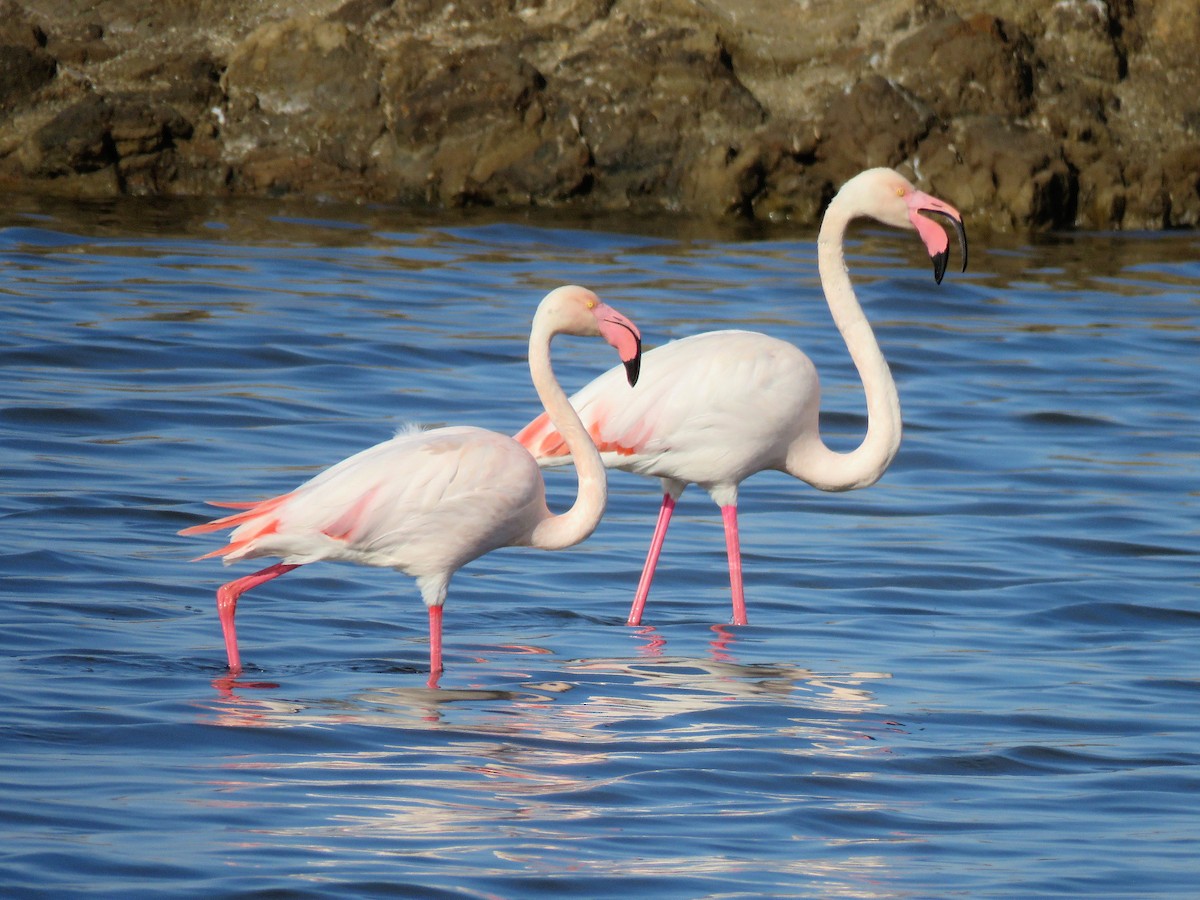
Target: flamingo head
{"type": "Point", "coordinates": [891, 198]}
{"type": "Point", "coordinates": [576, 310]}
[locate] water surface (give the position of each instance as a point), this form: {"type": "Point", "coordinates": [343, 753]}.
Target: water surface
{"type": "Point", "coordinates": [977, 678]}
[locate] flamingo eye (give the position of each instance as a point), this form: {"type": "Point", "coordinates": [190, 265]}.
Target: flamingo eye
{"type": "Point", "coordinates": [900, 192]}
{"type": "Point", "coordinates": [591, 304]}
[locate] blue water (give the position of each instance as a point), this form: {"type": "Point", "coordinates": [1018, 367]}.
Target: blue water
{"type": "Point", "coordinates": [977, 678]}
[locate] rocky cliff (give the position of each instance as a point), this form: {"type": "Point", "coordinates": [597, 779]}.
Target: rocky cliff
{"type": "Point", "coordinates": [1025, 115]}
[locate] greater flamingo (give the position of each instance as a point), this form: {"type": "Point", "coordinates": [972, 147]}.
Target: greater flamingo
{"type": "Point", "coordinates": [428, 502]}
{"type": "Point", "coordinates": [715, 408]}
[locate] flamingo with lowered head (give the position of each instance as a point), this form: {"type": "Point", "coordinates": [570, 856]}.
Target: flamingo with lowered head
{"type": "Point", "coordinates": [715, 408]}
{"type": "Point", "coordinates": [428, 502]}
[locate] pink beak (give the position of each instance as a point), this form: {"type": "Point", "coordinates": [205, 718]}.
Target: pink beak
{"type": "Point", "coordinates": [921, 205]}
{"type": "Point", "coordinates": [624, 336]}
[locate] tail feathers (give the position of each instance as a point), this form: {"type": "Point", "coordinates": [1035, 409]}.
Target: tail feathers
{"type": "Point", "coordinates": [223, 551]}
{"type": "Point", "coordinates": [269, 527]}
{"type": "Point", "coordinates": [251, 511]}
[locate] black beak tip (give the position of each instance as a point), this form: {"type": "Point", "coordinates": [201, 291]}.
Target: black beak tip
{"type": "Point", "coordinates": [939, 265]}
{"type": "Point", "coordinates": [940, 259]}
{"type": "Point", "coordinates": [633, 368]}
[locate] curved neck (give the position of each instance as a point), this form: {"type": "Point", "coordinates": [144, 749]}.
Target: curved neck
{"type": "Point", "coordinates": [557, 532]}
{"type": "Point", "coordinates": [809, 458]}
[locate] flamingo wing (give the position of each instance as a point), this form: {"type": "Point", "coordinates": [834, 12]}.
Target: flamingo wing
{"type": "Point", "coordinates": [422, 502]}
{"type": "Point", "coordinates": [705, 406]}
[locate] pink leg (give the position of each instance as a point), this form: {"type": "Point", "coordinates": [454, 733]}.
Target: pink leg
{"type": "Point", "coordinates": [435, 645]}
{"type": "Point", "coordinates": [734, 549]}
{"type": "Point", "coordinates": [227, 598]}
{"type": "Point", "coordinates": [656, 542]}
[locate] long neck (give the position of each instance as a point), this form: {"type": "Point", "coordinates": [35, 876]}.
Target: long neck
{"type": "Point", "coordinates": [809, 458]}
{"type": "Point", "coordinates": [557, 532]}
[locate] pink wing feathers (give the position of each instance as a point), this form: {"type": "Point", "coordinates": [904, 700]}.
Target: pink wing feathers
{"type": "Point", "coordinates": [392, 501]}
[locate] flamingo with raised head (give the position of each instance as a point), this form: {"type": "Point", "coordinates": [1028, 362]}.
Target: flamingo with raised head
{"type": "Point", "coordinates": [428, 502]}
{"type": "Point", "coordinates": [715, 408]}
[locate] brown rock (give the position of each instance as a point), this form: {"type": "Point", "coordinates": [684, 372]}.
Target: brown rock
{"type": "Point", "coordinates": [1181, 183]}
{"type": "Point", "coordinates": [652, 101]}
{"type": "Point", "coordinates": [77, 140]}
{"type": "Point", "coordinates": [1083, 36]}
{"type": "Point", "coordinates": [1102, 192]}
{"type": "Point", "coordinates": [22, 72]}
{"type": "Point", "coordinates": [978, 65]}
{"type": "Point", "coordinates": [1024, 115]}
{"type": "Point", "coordinates": [18, 28]}
{"type": "Point", "coordinates": [877, 123]}
{"type": "Point", "coordinates": [304, 88]}
{"type": "Point", "coordinates": [475, 126]}
{"type": "Point", "coordinates": [1001, 174]}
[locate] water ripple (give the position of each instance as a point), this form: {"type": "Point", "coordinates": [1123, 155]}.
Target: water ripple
{"type": "Point", "coordinates": [976, 678]}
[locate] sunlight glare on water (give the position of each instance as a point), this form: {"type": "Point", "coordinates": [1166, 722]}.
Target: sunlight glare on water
{"type": "Point", "coordinates": [976, 678]}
